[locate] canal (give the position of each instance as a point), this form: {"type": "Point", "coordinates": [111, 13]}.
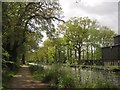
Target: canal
{"type": "Point", "coordinates": [90, 76]}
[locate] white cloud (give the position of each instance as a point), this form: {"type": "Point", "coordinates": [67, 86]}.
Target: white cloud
{"type": "Point", "coordinates": [105, 11]}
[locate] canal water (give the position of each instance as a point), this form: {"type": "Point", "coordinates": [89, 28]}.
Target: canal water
{"type": "Point", "coordinates": [88, 76]}
{"type": "Point", "coordinates": [95, 77]}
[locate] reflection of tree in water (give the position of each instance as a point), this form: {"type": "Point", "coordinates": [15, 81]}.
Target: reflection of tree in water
{"type": "Point", "coordinates": [92, 77]}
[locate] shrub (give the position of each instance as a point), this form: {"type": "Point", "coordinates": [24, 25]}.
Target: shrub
{"type": "Point", "coordinates": [37, 71]}
{"type": "Point", "coordinates": [57, 76]}
{"type": "Point", "coordinates": [7, 74]}
{"type": "Point", "coordinates": [52, 75]}
{"type": "Point", "coordinates": [36, 68]}
{"type": "Point", "coordinates": [66, 81]}
{"type": "Point", "coordinates": [9, 68]}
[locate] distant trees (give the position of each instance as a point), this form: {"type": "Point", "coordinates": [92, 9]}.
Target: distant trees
{"type": "Point", "coordinates": [76, 33]}
{"type": "Point", "coordinates": [106, 36]}
{"type": "Point", "coordinates": [77, 39]}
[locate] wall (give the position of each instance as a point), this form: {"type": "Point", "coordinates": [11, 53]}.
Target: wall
{"type": "Point", "coordinates": [111, 53]}
{"type": "Point", "coordinates": [117, 40]}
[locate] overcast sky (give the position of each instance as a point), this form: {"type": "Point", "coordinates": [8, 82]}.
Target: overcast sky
{"type": "Point", "coordinates": [104, 11]}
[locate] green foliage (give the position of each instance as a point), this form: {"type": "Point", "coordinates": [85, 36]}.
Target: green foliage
{"type": "Point", "coordinates": [82, 38]}
{"type": "Point", "coordinates": [106, 36]}
{"type": "Point", "coordinates": [113, 67]}
{"type": "Point", "coordinates": [67, 79]}
{"type": "Point", "coordinates": [7, 74]}
{"type": "Point", "coordinates": [8, 64]}
{"type": "Point", "coordinates": [23, 23]}
{"type": "Point", "coordinates": [76, 39]}
{"type": "Point", "coordinates": [64, 77]}
{"type": "Point", "coordinates": [34, 68]}
{"type": "Point", "coordinates": [57, 76]}
{"type": "Point", "coordinates": [5, 57]}
{"type": "Point", "coordinates": [100, 83]}
{"type": "Point", "coordinates": [9, 68]}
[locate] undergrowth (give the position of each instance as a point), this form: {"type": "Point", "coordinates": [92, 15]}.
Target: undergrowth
{"type": "Point", "coordinates": [64, 77]}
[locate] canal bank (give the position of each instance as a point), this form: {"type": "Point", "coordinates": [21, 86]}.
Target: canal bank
{"type": "Point", "coordinates": [93, 67]}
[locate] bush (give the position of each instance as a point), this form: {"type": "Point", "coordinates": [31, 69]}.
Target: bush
{"type": "Point", "coordinates": [37, 71]}
{"type": "Point", "coordinates": [51, 75]}
{"type": "Point", "coordinates": [57, 76]}
{"type": "Point", "coordinates": [66, 81]}
{"type": "Point", "coordinates": [36, 68]}
{"type": "Point", "coordinates": [9, 68]}
{"type": "Point", "coordinates": [7, 74]}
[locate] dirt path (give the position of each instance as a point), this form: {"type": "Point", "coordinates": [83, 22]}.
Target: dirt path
{"type": "Point", "coordinates": [24, 80]}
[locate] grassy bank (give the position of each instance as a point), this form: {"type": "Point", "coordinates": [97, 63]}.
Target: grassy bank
{"type": "Point", "coordinates": [7, 75]}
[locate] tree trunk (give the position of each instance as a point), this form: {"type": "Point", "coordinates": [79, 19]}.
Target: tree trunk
{"type": "Point", "coordinates": [71, 56]}
{"type": "Point", "coordinates": [68, 54]}
{"type": "Point", "coordinates": [55, 55]}
{"type": "Point", "coordinates": [59, 53]}
{"type": "Point", "coordinates": [75, 54]}
{"type": "Point", "coordinates": [91, 52]}
{"type": "Point", "coordinates": [83, 55]}
{"type": "Point", "coordinates": [13, 52]}
{"type": "Point", "coordinates": [87, 53]}
{"type": "Point", "coordinates": [23, 58]}
{"type": "Point", "coordinates": [79, 55]}
{"type": "Point", "coordinates": [13, 55]}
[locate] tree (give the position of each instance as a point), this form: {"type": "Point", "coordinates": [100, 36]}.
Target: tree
{"type": "Point", "coordinates": [106, 36]}
{"type": "Point", "coordinates": [94, 44]}
{"type": "Point", "coordinates": [84, 38]}
{"type": "Point", "coordinates": [21, 18]}
{"type": "Point", "coordinates": [77, 39]}
{"type": "Point", "coordinates": [76, 33]}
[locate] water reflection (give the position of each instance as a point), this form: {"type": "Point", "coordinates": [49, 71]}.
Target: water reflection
{"type": "Point", "coordinates": [88, 76]}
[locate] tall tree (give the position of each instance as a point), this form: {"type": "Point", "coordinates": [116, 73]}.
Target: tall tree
{"type": "Point", "coordinates": [21, 18]}
{"type": "Point", "coordinates": [76, 33]}
{"type": "Point", "coordinates": [106, 36]}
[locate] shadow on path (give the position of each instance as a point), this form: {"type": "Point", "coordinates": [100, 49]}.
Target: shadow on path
{"type": "Point", "coordinates": [23, 81]}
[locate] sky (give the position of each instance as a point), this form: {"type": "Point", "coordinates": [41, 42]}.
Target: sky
{"type": "Point", "coordinates": [104, 11]}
